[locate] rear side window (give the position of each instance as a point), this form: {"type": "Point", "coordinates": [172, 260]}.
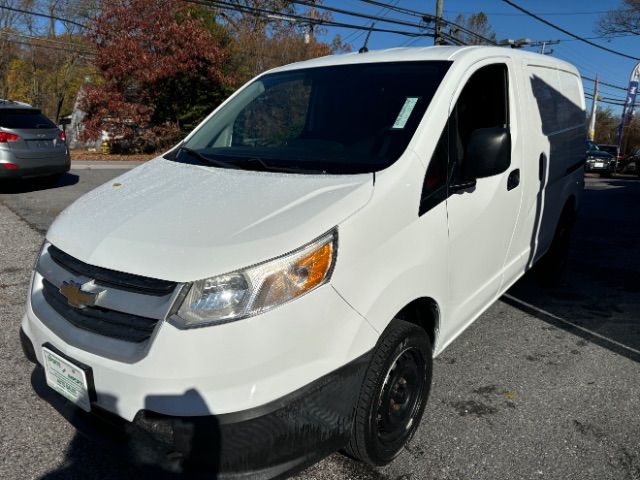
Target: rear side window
{"type": "Point", "coordinates": [24, 119]}
{"type": "Point", "coordinates": [558, 98]}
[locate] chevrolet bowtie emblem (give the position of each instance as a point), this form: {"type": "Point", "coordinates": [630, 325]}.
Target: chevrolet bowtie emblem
{"type": "Point", "coordinates": [76, 296]}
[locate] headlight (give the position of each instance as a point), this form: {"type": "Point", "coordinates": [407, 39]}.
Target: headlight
{"type": "Point", "coordinates": [257, 289]}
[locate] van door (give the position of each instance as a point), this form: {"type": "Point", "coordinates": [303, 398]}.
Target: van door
{"type": "Point", "coordinates": [482, 212]}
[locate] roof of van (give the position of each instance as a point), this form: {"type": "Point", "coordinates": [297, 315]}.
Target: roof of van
{"type": "Point", "coordinates": [410, 54]}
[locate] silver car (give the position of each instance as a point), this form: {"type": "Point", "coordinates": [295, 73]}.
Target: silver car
{"type": "Point", "coordinates": [30, 144]}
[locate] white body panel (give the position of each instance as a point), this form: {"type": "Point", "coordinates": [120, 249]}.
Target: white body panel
{"type": "Point", "coordinates": [183, 223]}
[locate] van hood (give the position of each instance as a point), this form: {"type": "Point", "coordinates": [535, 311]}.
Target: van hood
{"type": "Point", "coordinates": [181, 222]}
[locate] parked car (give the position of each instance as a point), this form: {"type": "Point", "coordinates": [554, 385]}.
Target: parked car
{"type": "Point", "coordinates": [614, 150]}
{"type": "Point", "coordinates": [31, 145]}
{"type": "Point", "coordinates": [630, 165]}
{"type": "Point", "coordinates": [599, 161]}
{"type": "Point", "coordinates": [275, 287]}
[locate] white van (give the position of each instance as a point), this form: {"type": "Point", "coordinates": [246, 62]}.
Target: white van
{"type": "Point", "coordinates": [275, 287]}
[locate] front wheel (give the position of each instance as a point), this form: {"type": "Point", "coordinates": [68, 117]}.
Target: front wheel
{"type": "Point", "coordinates": [393, 395]}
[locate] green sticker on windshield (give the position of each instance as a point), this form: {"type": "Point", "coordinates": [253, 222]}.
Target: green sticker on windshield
{"type": "Point", "coordinates": [405, 112]}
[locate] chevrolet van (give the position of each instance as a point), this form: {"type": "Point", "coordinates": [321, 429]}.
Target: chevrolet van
{"type": "Point", "coordinates": [275, 287]}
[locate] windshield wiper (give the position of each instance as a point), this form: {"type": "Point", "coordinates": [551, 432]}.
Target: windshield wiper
{"type": "Point", "coordinates": [247, 163]}
{"type": "Point", "coordinates": [279, 168]}
{"type": "Point", "coordinates": [206, 160]}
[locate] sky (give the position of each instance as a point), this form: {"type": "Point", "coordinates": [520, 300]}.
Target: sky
{"type": "Point", "coordinates": [577, 16]}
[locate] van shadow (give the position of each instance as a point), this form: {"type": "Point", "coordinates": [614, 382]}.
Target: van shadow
{"type": "Point", "coordinates": [598, 299]}
{"type": "Point", "coordinates": [105, 447]}
{"type": "Point", "coordinates": [12, 186]}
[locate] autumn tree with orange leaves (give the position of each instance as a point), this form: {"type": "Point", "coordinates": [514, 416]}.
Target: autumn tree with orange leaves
{"type": "Point", "coordinates": [159, 60]}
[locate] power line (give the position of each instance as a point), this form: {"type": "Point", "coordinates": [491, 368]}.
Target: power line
{"type": "Point", "coordinates": [622, 35]}
{"type": "Point", "coordinates": [318, 21]}
{"type": "Point", "coordinates": [357, 14]}
{"type": "Point", "coordinates": [355, 35]}
{"type": "Point", "coordinates": [428, 17]}
{"type": "Point", "coordinates": [45, 39]}
{"type": "Point", "coordinates": [500, 14]}
{"type": "Point", "coordinates": [588, 96]}
{"type": "Point", "coordinates": [567, 32]}
{"type": "Point", "coordinates": [605, 83]}
{"type": "Point", "coordinates": [40, 45]}
{"type": "Point", "coordinates": [43, 15]}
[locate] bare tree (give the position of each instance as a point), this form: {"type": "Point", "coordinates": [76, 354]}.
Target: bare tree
{"type": "Point", "coordinates": [7, 53]}
{"type": "Point", "coordinates": [476, 28]}
{"type": "Point", "coordinates": [625, 19]}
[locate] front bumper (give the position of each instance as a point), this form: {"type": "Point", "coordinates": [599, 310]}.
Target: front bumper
{"type": "Point", "coordinates": [232, 367]}
{"type": "Point", "coordinates": [280, 437]}
{"type": "Point", "coordinates": [38, 171]}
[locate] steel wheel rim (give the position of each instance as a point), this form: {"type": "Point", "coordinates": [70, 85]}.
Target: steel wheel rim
{"type": "Point", "coordinates": [401, 396]}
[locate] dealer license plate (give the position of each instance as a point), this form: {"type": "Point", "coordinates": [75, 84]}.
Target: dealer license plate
{"type": "Point", "coordinates": [66, 378]}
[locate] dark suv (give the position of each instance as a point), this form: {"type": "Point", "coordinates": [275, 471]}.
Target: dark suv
{"type": "Point", "coordinates": [30, 144]}
{"type": "Point", "coordinates": [599, 161]}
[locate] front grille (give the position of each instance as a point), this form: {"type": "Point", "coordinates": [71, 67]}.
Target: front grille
{"type": "Point", "coordinates": [112, 278]}
{"type": "Point", "coordinates": [109, 323]}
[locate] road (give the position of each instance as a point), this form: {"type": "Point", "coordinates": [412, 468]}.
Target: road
{"type": "Point", "coordinates": [545, 384]}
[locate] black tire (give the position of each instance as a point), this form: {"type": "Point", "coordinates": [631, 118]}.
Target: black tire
{"type": "Point", "coordinates": [393, 395]}
{"type": "Point", "coordinates": [552, 266]}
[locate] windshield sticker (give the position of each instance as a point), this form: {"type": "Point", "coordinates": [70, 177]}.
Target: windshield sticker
{"type": "Point", "coordinates": [405, 113]}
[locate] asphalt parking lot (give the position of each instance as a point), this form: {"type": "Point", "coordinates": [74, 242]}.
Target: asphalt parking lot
{"type": "Point", "coordinates": [545, 384]}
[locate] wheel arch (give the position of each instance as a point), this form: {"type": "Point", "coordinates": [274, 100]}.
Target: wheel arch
{"type": "Point", "coordinates": [425, 313]}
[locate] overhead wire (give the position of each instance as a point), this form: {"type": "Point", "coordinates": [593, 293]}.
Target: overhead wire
{"type": "Point", "coordinates": [430, 17]}
{"type": "Point", "coordinates": [382, 12]}
{"type": "Point", "coordinates": [39, 44]}
{"type": "Point", "coordinates": [356, 14]}
{"type": "Point", "coordinates": [43, 15]}
{"type": "Point", "coordinates": [318, 21]}
{"type": "Point", "coordinates": [567, 32]}
{"type": "Point", "coordinates": [498, 14]}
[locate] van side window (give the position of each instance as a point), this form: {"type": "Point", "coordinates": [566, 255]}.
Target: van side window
{"type": "Point", "coordinates": [434, 186]}
{"type": "Point", "coordinates": [483, 103]}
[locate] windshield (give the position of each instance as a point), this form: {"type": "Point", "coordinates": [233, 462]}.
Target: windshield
{"type": "Point", "coordinates": [339, 119]}
{"type": "Point", "coordinates": [23, 118]}
{"type": "Point", "coordinates": [612, 149]}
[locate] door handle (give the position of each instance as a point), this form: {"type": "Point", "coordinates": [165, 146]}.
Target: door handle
{"type": "Point", "coordinates": [514, 179]}
{"type": "Point", "coordinates": [542, 166]}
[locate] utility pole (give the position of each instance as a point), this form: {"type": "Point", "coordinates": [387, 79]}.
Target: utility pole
{"type": "Point", "coordinates": [591, 133]}
{"type": "Point", "coordinates": [437, 40]}
{"type": "Point", "coordinates": [543, 46]}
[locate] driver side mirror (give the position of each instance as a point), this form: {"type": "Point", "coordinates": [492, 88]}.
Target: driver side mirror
{"type": "Point", "coordinates": [488, 152]}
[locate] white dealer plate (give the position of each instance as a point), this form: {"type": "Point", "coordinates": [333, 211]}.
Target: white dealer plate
{"type": "Point", "coordinates": [66, 378]}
